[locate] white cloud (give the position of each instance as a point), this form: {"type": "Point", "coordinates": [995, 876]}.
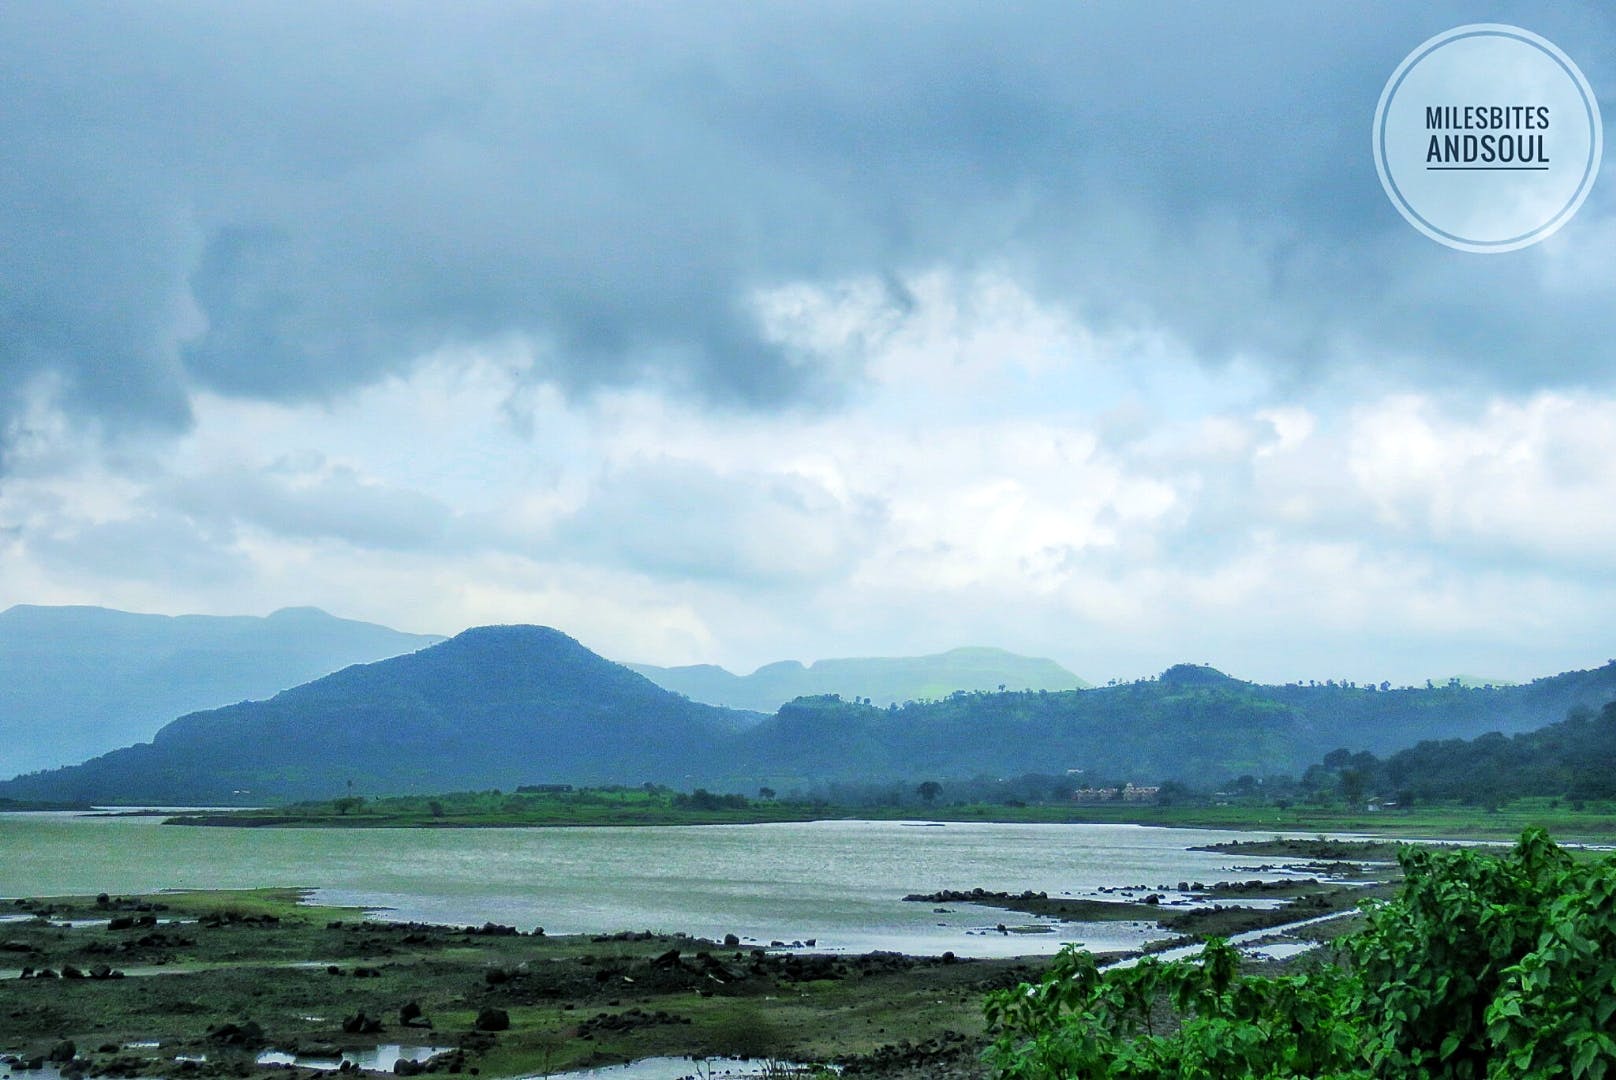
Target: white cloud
{"type": "Point", "coordinates": [1003, 475]}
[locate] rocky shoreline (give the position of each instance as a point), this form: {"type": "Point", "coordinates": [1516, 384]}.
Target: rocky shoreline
{"type": "Point", "coordinates": [255, 985]}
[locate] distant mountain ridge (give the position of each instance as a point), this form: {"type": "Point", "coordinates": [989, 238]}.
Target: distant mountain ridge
{"type": "Point", "coordinates": [77, 681]}
{"type": "Point", "coordinates": [496, 707]}
{"type": "Point", "coordinates": [884, 680]}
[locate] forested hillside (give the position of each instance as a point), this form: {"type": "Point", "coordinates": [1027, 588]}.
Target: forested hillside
{"type": "Point", "coordinates": [498, 707]}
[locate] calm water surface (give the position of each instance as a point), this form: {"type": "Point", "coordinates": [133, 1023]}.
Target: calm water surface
{"type": "Point", "coordinates": [838, 882]}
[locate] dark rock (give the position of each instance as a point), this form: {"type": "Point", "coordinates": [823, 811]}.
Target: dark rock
{"type": "Point", "coordinates": [450, 1061]}
{"type": "Point", "coordinates": [71, 972]}
{"type": "Point", "coordinates": [410, 1012]}
{"type": "Point", "coordinates": [360, 1024]}
{"type": "Point", "coordinates": [491, 1019]}
{"type": "Point", "coordinates": [15, 946]}
{"type": "Point", "coordinates": [246, 1034]}
{"type": "Point", "coordinates": [493, 930]}
{"type": "Point", "coordinates": [62, 1053]}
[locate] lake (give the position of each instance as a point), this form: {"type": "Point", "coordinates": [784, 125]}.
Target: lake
{"type": "Point", "coordinates": [840, 883]}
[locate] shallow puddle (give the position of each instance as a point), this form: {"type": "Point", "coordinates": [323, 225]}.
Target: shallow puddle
{"type": "Point", "coordinates": [381, 1058]}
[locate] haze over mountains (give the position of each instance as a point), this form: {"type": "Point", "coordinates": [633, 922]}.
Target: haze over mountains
{"type": "Point", "coordinates": [497, 707]}
{"type": "Point", "coordinates": [884, 680]}
{"type": "Point", "coordinates": [77, 681]}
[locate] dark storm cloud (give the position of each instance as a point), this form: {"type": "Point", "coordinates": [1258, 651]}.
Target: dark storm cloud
{"type": "Point", "coordinates": [284, 200]}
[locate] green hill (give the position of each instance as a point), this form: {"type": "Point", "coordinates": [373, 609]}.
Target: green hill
{"type": "Point", "coordinates": [499, 707]}
{"type": "Point", "coordinates": [1574, 758]}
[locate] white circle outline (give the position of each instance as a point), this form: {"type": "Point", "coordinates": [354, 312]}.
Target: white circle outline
{"type": "Point", "coordinates": [1596, 142]}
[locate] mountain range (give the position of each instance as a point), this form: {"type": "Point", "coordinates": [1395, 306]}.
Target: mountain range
{"type": "Point", "coordinates": [497, 707]}
{"type": "Point", "coordinates": [883, 680]}
{"type": "Point", "coordinates": [77, 681]}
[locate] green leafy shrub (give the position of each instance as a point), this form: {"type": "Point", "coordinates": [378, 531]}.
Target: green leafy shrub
{"type": "Point", "coordinates": [1485, 966]}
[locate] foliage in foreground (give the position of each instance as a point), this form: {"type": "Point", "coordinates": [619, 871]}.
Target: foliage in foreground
{"type": "Point", "coordinates": [1484, 966]}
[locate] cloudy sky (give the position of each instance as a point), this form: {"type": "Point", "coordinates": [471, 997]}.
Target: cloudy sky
{"type": "Point", "coordinates": [731, 332]}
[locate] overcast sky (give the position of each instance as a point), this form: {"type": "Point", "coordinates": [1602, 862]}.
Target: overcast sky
{"type": "Point", "coordinates": [713, 332]}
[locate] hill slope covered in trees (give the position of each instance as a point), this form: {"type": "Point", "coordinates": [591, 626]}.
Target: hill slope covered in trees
{"type": "Point", "coordinates": [498, 707]}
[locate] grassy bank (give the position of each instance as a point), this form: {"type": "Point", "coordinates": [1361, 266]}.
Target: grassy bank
{"type": "Point", "coordinates": [635, 806]}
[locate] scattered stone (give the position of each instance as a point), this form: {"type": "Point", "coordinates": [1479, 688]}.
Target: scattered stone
{"type": "Point", "coordinates": [492, 1019]}
{"type": "Point", "coordinates": [493, 930]}
{"type": "Point", "coordinates": [360, 1024]}
{"type": "Point", "coordinates": [246, 1034]}
{"type": "Point", "coordinates": [627, 1021]}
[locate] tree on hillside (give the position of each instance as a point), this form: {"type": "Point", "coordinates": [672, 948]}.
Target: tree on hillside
{"type": "Point", "coordinates": [929, 791]}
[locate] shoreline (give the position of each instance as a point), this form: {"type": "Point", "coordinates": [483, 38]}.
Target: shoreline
{"type": "Point", "coordinates": [139, 984]}
{"type": "Point", "coordinates": [1440, 826]}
